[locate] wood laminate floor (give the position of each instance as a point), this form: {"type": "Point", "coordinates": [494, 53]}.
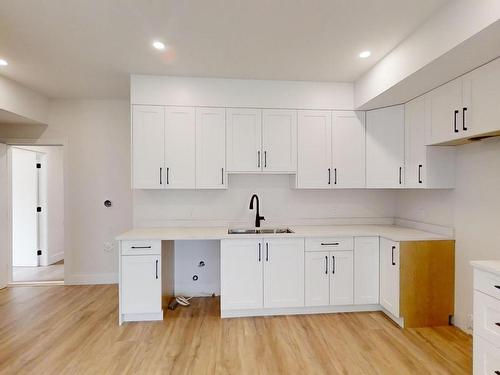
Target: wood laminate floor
{"type": "Point", "coordinates": [74, 330]}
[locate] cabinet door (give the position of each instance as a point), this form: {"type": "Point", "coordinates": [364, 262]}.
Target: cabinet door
{"type": "Point", "coordinates": [284, 272]}
{"type": "Point", "coordinates": [244, 138]}
{"type": "Point", "coordinates": [385, 147]}
{"type": "Point", "coordinates": [279, 140]}
{"type": "Point", "coordinates": [445, 116]}
{"type": "Point", "coordinates": [480, 110]}
{"type": "Point", "coordinates": [366, 270]}
{"type": "Point", "coordinates": [210, 148]}
{"type": "Point", "coordinates": [148, 129]}
{"type": "Point", "coordinates": [241, 274]}
{"type": "Point", "coordinates": [348, 148]}
{"type": "Point", "coordinates": [389, 276]}
{"type": "Point", "coordinates": [317, 278]}
{"type": "Point", "coordinates": [180, 151]}
{"type": "Point", "coordinates": [314, 161]}
{"type": "Point", "coordinates": [341, 278]}
{"type": "Point", "coordinates": [141, 284]}
{"type": "Point", "coordinates": [415, 149]}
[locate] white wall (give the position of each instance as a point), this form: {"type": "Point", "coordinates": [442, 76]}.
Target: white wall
{"type": "Point", "coordinates": [4, 227]}
{"type": "Point", "coordinates": [22, 101]}
{"type": "Point", "coordinates": [473, 208]}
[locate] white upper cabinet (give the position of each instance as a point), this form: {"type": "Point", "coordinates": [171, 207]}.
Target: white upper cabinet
{"type": "Point", "coordinates": [211, 148]}
{"type": "Point", "coordinates": [314, 165]}
{"type": "Point", "coordinates": [279, 140]}
{"type": "Point", "coordinates": [180, 160]}
{"type": "Point", "coordinates": [445, 116]}
{"type": "Point", "coordinates": [481, 98]}
{"type": "Point", "coordinates": [348, 147]}
{"type": "Point", "coordinates": [148, 129]}
{"type": "Point", "coordinates": [425, 166]}
{"type": "Point", "coordinates": [385, 147]}
{"type": "Point", "coordinates": [244, 138]}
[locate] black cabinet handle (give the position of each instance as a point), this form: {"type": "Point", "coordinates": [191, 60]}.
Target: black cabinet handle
{"type": "Point", "coordinates": [265, 159]}
{"type": "Point", "coordinates": [455, 121]}
{"type": "Point", "coordinates": [259, 252]}
{"type": "Point", "coordinates": [333, 263]}
{"type": "Point", "coordinates": [335, 176]}
{"type": "Point", "coordinates": [222, 170]}
{"type": "Point", "coordinates": [161, 169]}
{"type": "Point", "coordinates": [267, 252]}
{"type": "Point", "coordinates": [400, 175]}
{"type": "Point", "coordinates": [157, 269]}
{"type": "Point", "coordinates": [392, 256]}
{"type": "Point", "coordinates": [168, 169]}
{"type": "Point", "coordinates": [329, 176]}
{"type": "Point", "coordinates": [329, 244]}
{"type": "Point", "coordinates": [326, 265]}
{"type": "Point", "coordinates": [420, 173]}
{"type": "Point", "coordinates": [258, 159]}
{"type": "Point", "coordinates": [497, 286]}
{"type": "Point", "coordinates": [464, 109]}
{"type": "Point", "coordinates": [141, 247]}
{"type": "Point", "coordinates": [497, 324]}
{"type": "Point", "coordinates": [497, 372]}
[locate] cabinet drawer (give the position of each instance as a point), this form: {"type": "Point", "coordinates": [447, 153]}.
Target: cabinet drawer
{"type": "Point", "coordinates": [487, 282]}
{"type": "Point", "coordinates": [487, 317]}
{"type": "Point", "coordinates": [142, 247]}
{"type": "Point", "coordinates": [329, 243]}
{"type": "Point", "coordinates": [486, 357]}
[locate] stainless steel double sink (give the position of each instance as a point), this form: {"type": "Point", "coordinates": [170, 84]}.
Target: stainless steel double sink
{"type": "Point", "coordinates": [260, 231]}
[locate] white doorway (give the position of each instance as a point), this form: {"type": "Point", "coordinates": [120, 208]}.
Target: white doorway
{"type": "Point", "coordinates": [37, 210]}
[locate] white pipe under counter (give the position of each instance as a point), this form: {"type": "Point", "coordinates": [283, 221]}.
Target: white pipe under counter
{"type": "Point", "coordinates": [335, 268]}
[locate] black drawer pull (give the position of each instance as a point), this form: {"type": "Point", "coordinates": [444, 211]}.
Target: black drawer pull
{"type": "Point", "coordinates": [141, 247]}
{"type": "Point", "coordinates": [392, 256]}
{"type": "Point", "coordinates": [330, 243]}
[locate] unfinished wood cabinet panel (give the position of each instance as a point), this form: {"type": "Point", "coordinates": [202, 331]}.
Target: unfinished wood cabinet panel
{"type": "Point", "coordinates": [427, 282]}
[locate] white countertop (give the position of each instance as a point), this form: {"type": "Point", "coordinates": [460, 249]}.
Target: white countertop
{"type": "Point", "coordinates": [487, 265]}
{"type": "Point", "coordinates": [390, 232]}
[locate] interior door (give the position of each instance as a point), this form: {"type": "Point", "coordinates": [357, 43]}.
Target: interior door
{"type": "Point", "coordinates": [141, 284]}
{"type": "Point", "coordinates": [389, 276]}
{"type": "Point", "coordinates": [385, 147]}
{"type": "Point", "coordinates": [314, 148]}
{"type": "Point", "coordinates": [341, 278]}
{"type": "Point", "coordinates": [415, 149]}
{"type": "Point", "coordinates": [241, 274]}
{"type": "Point", "coordinates": [4, 235]}
{"type": "Point", "coordinates": [348, 148]}
{"type": "Point", "coordinates": [211, 148]}
{"type": "Point", "coordinates": [279, 140]}
{"type": "Point", "coordinates": [24, 208]}
{"type": "Point", "coordinates": [283, 272]}
{"type": "Point", "coordinates": [244, 139]}
{"type": "Point", "coordinates": [148, 133]}
{"type": "Point", "coordinates": [317, 278]}
{"type": "Point", "coordinates": [180, 149]}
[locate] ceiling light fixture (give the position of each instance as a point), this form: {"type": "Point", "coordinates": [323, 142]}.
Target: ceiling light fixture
{"type": "Point", "coordinates": [365, 54]}
{"type": "Point", "coordinates": [159, 45]}
{"type": "Point", "coordinates": [3, 62]}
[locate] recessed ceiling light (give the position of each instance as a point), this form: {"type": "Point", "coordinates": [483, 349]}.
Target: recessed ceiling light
{"type": "Point", "coordinates": [3, 62]}
{"type": "Point", "coordinates": [159, 45]}
{"type": "Point", "coordinates": [365, 54]}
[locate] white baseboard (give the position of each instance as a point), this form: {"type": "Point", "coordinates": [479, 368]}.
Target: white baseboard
{"type": "Point", "coordinates": [54, 258]}
{"type": "Point", "coordinates": [299, 310]}
{"type": "Point", "coordinates": [92, 279]}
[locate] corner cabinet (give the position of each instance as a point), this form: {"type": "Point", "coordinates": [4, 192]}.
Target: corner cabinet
{"type": "Point", "coordinates": [261, 273]}
{"type": "Point", "coordinates": [417, 280]}
{"type": "Point", "coordinates": [385, 141]}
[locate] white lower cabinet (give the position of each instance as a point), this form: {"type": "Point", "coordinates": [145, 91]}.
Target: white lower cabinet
{"type": "Point", "coordinates": [366, 270]}
{"type": "Point", "coordinates": [262, 273]}
{"type": "Point", "coordinates": [389, 276]}
{"type": "Point", "coordinates": [141, 284]}
{"type": "Point", "coordinates": [342, 278]}
{"type": "Point", "coordinates": [317, 278]}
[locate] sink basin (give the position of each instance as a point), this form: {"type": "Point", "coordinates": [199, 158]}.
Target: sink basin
{"type": "Point", "coordinates": [260, 231]}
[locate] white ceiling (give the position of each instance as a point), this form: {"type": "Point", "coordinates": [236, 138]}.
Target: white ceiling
{"type": "Point", "coordinates": [88, 48]}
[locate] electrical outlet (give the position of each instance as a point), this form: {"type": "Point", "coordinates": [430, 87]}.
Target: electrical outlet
{"type": "Point", "coordinates": [470, 322]}
{"type": "Point", "coordinates": [109, 246]}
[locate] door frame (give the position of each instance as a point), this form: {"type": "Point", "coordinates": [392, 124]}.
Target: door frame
{"type": "Point", "coordinates": [28, 142]}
